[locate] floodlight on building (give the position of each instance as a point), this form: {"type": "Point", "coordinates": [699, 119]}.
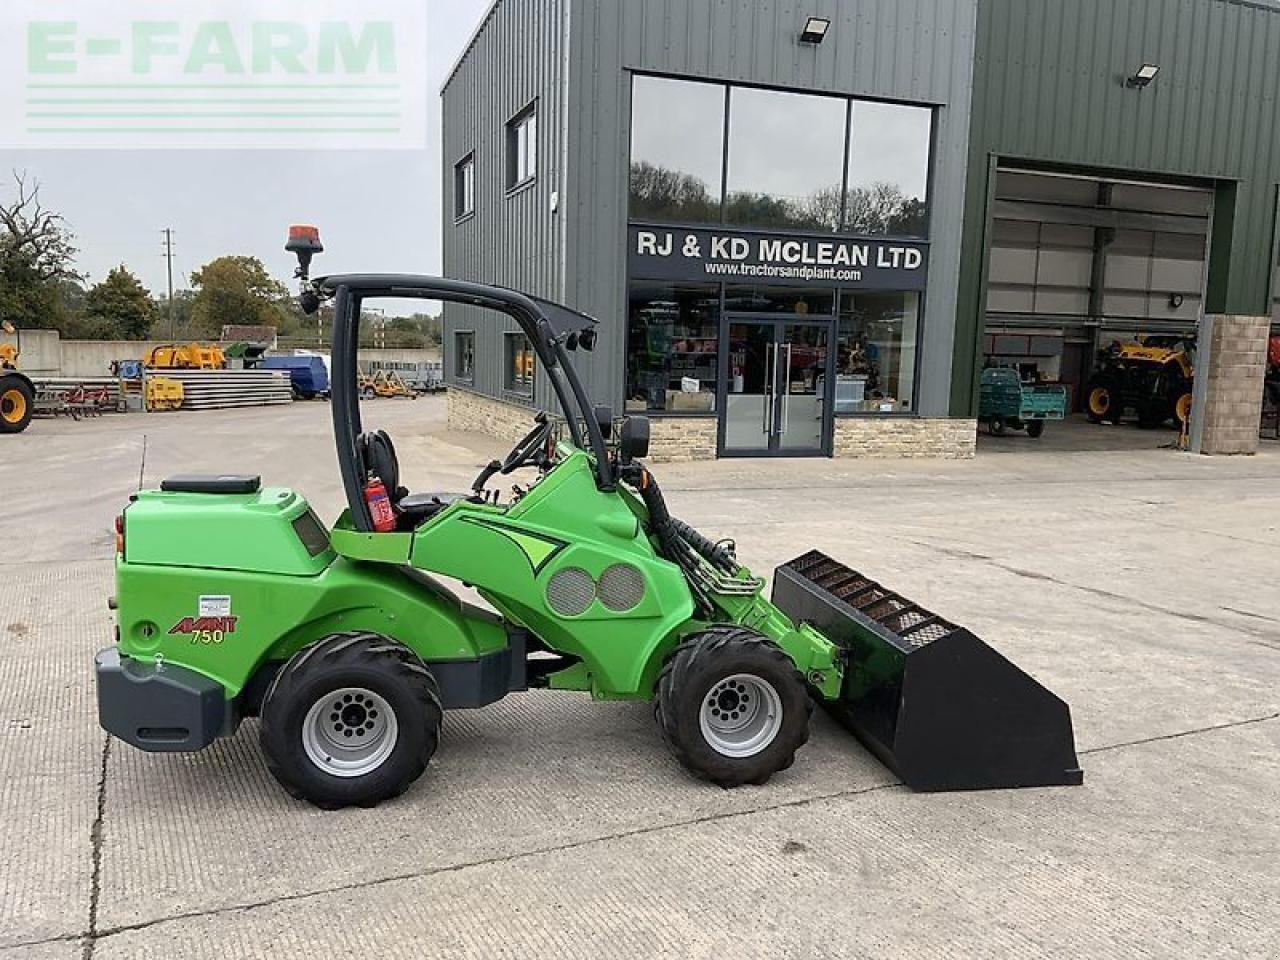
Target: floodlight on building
{"type": "Point", "coordinates": [1146, 73]}
{"type": "Point", "coordinates": [815, 30]}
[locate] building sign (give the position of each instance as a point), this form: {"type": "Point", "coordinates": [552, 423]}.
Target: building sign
{"type": "Point", "coordinates": [662, 253]}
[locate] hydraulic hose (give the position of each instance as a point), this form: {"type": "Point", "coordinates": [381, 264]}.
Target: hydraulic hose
{"type": "Point", "coordinates": [719, 555]}
{"type": "Point", "coordinates": [670, 533]}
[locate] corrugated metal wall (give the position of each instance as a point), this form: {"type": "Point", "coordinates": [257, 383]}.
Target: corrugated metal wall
{"type": "Point", "coordinates": [1049, 88]}
{"type": "Point", "coordinates": [514, 239]}
{"type": "Point", "coordinates": [913, 50]}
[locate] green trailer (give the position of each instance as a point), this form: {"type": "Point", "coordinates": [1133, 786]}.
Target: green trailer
{"type": "Point", "coordinates": [1006, 403]}
{"type": "Point", "coordinates": [235, 601]}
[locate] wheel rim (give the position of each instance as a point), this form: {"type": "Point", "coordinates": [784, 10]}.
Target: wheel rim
{"type": "Point", "coordinates": [1099, 400]}
{"type": "Point", "coordinates": [13, 406]}
{"type": "Point", "coordinates": [1183, 409]}
{"type": "Point", "coordinates": [350, 732]}
{"type": "Point", "coordinates": [741, 715]}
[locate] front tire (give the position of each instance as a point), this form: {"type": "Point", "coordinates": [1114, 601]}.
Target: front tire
{"type": "Point", "coordinates": [17, 403]}
{"type": "Point", "coordinates": [351, 721]}
{"type": "Point", "coordinates": [731, 706]}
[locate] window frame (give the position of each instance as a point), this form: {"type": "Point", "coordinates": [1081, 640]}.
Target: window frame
{"type": "Point", "coordinates": [851, 100]}
{"type": "Point", "coordinates": [458, 376]}
{"type": "Point", "coordinates": [510, 386]}
{"type": "Point", "coordinates": [464, 202]}
{"type": "Point", "coordinates": [516, 178]}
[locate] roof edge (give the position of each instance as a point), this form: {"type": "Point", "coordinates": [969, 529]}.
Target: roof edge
{"type": "Point", "coordinates": [471, 42]}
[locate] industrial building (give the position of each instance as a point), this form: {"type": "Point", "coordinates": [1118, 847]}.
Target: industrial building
{"type": "Point", "coordinates": [806, 229]}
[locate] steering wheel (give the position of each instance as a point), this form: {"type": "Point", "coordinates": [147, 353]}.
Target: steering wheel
{"type": "Point", "coordinates": [532, 449]}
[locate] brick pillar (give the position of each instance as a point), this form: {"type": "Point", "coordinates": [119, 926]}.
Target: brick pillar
{"type": "Point", "coordinates": [1230, 365]}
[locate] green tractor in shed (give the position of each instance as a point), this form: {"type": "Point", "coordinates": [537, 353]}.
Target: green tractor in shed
{"type": "Point", "coordinates": [235, 601]}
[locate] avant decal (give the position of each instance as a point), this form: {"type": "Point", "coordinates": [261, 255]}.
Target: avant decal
{"type": "Point", "coordinates": [537, 548]}
{"type": "Point", "coordinates": [205, 629]}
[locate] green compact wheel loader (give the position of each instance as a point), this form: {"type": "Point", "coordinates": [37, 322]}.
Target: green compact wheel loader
{"type": "Point", "coordinates": [233, 600]}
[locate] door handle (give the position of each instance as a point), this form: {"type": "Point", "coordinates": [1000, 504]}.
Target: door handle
{"type": "Point", "coordinates": [786, 393]}
{"type": "Point", "coordinates": [770, 384]}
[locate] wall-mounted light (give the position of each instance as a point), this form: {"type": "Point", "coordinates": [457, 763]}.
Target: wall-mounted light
{"type": "Point", "coordinates": [1146, 73]}
{"type": "Point", "coordinates": [1176, 300]}
{"type": "Point", "coordinates": [815, 30]}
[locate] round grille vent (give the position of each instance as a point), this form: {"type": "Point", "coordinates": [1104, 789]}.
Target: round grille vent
{"type": "Point", "coordinates": [621, 587]}
{"type": "Point", "coordinates": [570, 591]}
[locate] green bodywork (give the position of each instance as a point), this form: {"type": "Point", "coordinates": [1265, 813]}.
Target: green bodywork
{"type": "Point", "coordinates": [225, 583]}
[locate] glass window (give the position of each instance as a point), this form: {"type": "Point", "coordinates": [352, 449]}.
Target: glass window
{"type": "Point", "coordinates": [795, 300]}
{"type": "Point", "coordinates": [876, 352]}
{"type": "Point", "coordinates": [522, 147]}
{"type": "Point", "coordinates": [464, 186]}
{"type": "Point", "coordinates": [517, 364]}
{"type": "Point", "coordinates": [677, 150]}
{"type": "Point", "coordinates": [888, 170]}
{"type": "Point", "coordinates": [786, 154]}
{"type": "Point", "coordinates": [464, 355]}
{"type": "Point", "coordinates": [673, 335]}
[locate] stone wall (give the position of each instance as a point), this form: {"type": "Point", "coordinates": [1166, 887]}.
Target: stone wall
{"type": "Point", "coordinates": [1237, 364]}
{"type": "Point", "coordinates": [476, 413]}
{"type": "Point", "coordinates": [674, 439]}
{"type": "Point", "coordinates": [906, 437]}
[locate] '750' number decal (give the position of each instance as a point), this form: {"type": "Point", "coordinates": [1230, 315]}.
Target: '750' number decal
{"type": "Point", "coordinates": [205, 629]}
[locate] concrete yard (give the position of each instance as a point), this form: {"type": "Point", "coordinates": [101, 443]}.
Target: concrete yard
{"type": "Point", "coordinates": [1143, 587]}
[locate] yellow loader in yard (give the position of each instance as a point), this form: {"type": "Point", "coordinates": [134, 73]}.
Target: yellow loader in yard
{"type": "Point", "coordinates": [17, 392]}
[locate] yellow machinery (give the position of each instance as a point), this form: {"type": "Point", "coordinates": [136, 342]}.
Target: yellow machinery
{"type": "Point", "coordinates": [186, 356]}
{"type": "Point", "coordinates": [17, 392]}
{"type": "Point", "coordinates": [385, 383]}
{"type": "Point", "coordinates": [163, 393]}
{"type": "Point", "coordinates": [1152, 376]}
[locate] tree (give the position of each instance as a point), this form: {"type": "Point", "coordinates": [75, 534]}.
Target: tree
{"type": "Point", "coordinates": [882, 208]}
{"type": "Point", "coordinates": [118, 308]}
{"type": "Point", "coordinates": [237, 290]}
{"type": "Point", "coordinates": [37, 253]}
{"type": "Point", "coordinates": [664, 194]}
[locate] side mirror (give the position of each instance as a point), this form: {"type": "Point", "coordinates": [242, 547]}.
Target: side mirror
{"type": "Point", "coordinates": [604, 419]}
{"type": "Point", "coordinates": [633, 439]}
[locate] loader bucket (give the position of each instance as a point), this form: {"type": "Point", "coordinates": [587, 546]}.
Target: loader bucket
{"type": "Point", "coordinates": [938, 706]}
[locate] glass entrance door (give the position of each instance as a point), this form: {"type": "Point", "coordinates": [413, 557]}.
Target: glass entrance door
{"type": "Point", "coordinates": [775, 391]}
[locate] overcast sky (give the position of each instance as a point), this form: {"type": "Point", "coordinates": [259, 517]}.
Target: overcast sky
{"type": "Point", "coordinates": [378, 210]}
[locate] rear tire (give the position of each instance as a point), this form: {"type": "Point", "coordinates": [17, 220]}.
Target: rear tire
{"type": "Point", "coordinates": [350, 721]}
{"type": "Point", "coordinates": [996, 425]}
{"type": "Point", "coordinates": [731, 706]}
{"type": "Point", "coordinates": [1035, 429]}
{"type": "Point", "coordinates": [17, 403]}
{"type": "Point", "coordinates": [1099, 404]}
{"type": "Point", "coordinates": [1182, 409]}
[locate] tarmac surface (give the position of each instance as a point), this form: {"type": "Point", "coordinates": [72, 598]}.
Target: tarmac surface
{"type": "Point", "coordinates": [1142, 586]}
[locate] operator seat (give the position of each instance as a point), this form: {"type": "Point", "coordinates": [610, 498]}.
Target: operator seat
{"type": "Point", "coordinates": [378, 456]}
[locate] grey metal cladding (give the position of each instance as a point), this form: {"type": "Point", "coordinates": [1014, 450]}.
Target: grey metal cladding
{"type": "Point", "coordinates": [1212, 113]}
{"type": "Point", "coordinates": [513, 239]}
{"type": "Point", "coordinates": [908, 50]}
{"type": "Point", "coordinates": [576, 56]}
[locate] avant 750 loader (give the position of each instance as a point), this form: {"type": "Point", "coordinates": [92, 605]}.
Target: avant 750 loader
{"type": "Point", "coordinates": [234, 601]}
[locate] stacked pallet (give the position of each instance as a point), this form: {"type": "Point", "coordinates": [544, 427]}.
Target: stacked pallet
{"type": "Point", "coordinates": [212, 389]}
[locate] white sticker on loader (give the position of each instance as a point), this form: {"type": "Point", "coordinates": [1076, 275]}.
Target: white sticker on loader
{"type": "Point", "coordinates": [215, 606]}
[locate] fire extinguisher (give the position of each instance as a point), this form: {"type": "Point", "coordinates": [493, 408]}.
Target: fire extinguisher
{"type": "Point", "coordinates": [375, 495]}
